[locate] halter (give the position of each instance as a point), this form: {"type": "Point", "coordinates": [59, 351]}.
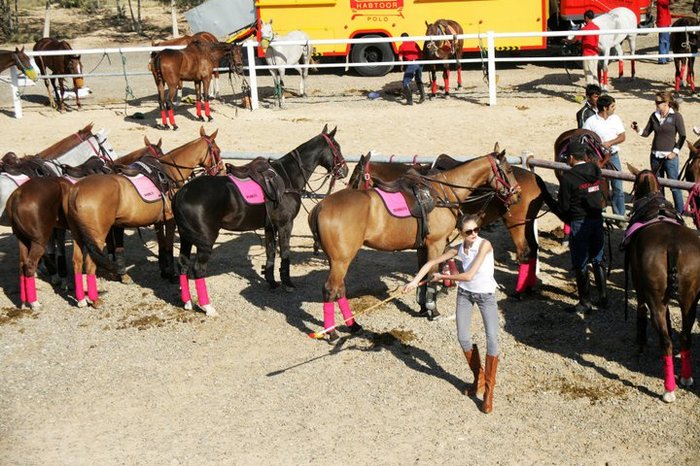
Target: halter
{"type": "Point", "coordinates": [433, 46]}
{"type": "Point", "coordinates": [339, 162]}
{"type": "Point", "coordinates": [504, 191]}
{"type": "Point", "coordinates": [215, 153]}
{"type": "Point", "coordinates": [19, 64]}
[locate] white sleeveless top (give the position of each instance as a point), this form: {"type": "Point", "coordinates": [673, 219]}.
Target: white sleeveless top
{"type": "Point", "coordinates": [483, 281]}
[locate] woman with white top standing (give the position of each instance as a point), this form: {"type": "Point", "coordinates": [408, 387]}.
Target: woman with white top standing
{"type": "Point", "coordinates": [476, 286]}
{"type": "Point", "coordinates": [666, 122]}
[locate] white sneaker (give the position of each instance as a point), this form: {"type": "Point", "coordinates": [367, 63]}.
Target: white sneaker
{"type": "Point", "coordinates": [696, 130]}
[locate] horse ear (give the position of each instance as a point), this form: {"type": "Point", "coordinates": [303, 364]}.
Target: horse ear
{"type": "Point", "coordinates": [332, 133]}
{"type": "Point", "coordinates": [427, 23]}
{"type": "Point", "coordinates": [634, 170]}
{"type": "Point", "coordinates": [146, 141]}
{"type": "Point", "coordinates": [88, 128]}
{"type": "Point", "coordinates": [160, 143]}
{"type": "Point", "coordinates": [325, 129]}
{"type": "Point", "coordinates": [212, 136]}
{"type": "Point", "coordinates": [501, 155]}
{"type": "Point", "coordinates": [201, 131]}
{"type": "Point", "coordinates": [496, 147]}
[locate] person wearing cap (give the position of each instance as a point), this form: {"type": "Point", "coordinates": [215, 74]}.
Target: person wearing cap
{"type": "Point", "coordinates": [590, 107]}
{"type": "Point", "coordinates": [581, 202]}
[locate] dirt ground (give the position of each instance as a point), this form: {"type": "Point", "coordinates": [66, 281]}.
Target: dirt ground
{"type": "Point", "coordinates": [142, 381]}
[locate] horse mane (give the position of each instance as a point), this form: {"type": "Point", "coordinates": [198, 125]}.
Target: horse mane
{"type": "Point", "coordinates": [32, 166]}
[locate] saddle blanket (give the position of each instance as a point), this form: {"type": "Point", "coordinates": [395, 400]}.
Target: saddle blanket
{"type": "Point", "coordinates": [250, 190]}
{"type": "Point", "coordinates": [635, 227]}
{"type": "Point", "coordinates": [145, 187]}
{"type": "Point", "coordinates": [71, 179]}
{"type": "Point", "coordinates": [395, 203]}
{"type": "Point", "coordinates": [19, 180]}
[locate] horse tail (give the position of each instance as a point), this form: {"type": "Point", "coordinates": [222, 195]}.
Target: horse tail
{"type": "Point", "coordinates": [95, 252]}
{"type": "Point", "coordinates": [184, 227]}
{"type": "Point", "coordinates": [672, 264]}
{"type": "Point", "coordinates": [313, 224]}
{"type": "Point", "coordinates": [157, 73]}
{"type": "Point", "coordinates": [547, 197]}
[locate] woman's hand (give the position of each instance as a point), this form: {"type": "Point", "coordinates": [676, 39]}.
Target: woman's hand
{"type": "Point", "coordinates": [410, 286]}
{"type": "Point", "coordinates": [671, 156]}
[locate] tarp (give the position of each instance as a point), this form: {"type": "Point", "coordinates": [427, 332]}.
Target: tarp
{"type": "Point", "coordinates": [221, 17]}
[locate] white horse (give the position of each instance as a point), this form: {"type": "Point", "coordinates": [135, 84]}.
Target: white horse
{"type": "Point", "coordinates": [281, 55]}
{"type": "Point", "coordinates": [617, 18]}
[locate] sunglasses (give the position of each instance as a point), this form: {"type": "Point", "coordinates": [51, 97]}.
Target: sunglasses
{"type": "Point", "coordinates": [469, 232]}
{"type": "Point", "coordinates": [659, 102]}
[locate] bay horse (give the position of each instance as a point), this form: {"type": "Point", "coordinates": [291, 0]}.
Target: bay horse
{"type": "Point", "coordinates": [37, 209]}
{"type": "Point", "coordinates": [348, 219]}
{"type": "Point", "coordinates": [98, 202]}
{"type": "Point", "coordinates": [443, 49]}
{"type": "Point", "coordinates": [203, 207]}
{"type": "Point", "coordinates": [59, 64]}
{"type": "Point", "coordinates": [663, 257]}
{"type": "Point", "coordinates": [202, 36]}
{"type": "Point", "coordinates": [617, 18]}
{"type": "Point", "coordinates": [280, 55]}
{"type": "Point", "coordinates": [17, 58]}
{"type": "Point", "coordinates": [196, 62]}
{"type": "Point", "coordinates": [519, 218]}
{"type": "Point", "coordinates": [691, 172]}
{"type": "Point", "coordinates": [685, 42]}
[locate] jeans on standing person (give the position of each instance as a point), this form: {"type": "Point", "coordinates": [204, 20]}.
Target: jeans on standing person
{"type": "Point", "coordinates": [664, 45]}
{"type": "Point", "coordinates": [669, 169]}
{"type": "Point", "coordinates": [489, 313]}
{"type": "Point", "coordinates": [587, 242]}
{"type": "Point", "coordinates": [413, 71]}
{"type": "Point", "coordinates": [618, 194]}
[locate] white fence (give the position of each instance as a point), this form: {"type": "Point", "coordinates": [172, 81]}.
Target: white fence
{"type": "Point", "coordinates": [490, 59]}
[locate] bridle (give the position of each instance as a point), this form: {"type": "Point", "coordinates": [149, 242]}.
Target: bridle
{"type": "Point", "coordinates": [19, 64]}
{"type": "Point", "coordinates": [502, 187]}
{"type": "Point", "coordinates": [213, 153]}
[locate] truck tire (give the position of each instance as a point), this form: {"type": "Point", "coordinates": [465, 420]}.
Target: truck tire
{"type": "Point", "coordinates": [372, 53]}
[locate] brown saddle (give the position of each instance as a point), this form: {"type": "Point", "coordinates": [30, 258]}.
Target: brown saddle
{"type": "Point", "coordinates": [653, 206]}
{"type": "Point", "coordinates": [261, 171]}
{"type": "Point", "coordinates": [32, 166]}
{"type": "Point", "coordinates": [150, 167]}
{"type": "Point", "coordinates": [92, 166]}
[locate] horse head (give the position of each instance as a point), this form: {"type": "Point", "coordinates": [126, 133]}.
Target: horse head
{"type": "Point", "coordinates": [267, 35]}
{"type": "Point", "coordinates": [645, 182]}
{"type": "Point", "coordinates": [235, 57]}
{"type": "Point", "coordinates": [503, 179]}
{"type": "Point", "coordinates": [432, 47]}
{"type": "Point", "coordinates": [24, 64]}
{"type": "Point", "coordinates": [361, 177]}
{"type": "Point", "coordinates": [211, 162]}
{"type": "Point", "coordinates": [333, 159]}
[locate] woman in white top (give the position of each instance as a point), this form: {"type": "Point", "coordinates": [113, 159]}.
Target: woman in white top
{"type": "Point", "coordinates": [476, 286]}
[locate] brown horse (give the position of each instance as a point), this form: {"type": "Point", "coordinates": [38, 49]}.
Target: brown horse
{"type": "Point", "coordinates": [99, 202]}
{"type": "Point", "coordinates": [518, 218]}
{"type": "Point", "coordinates": [19, 59]}
{"type": "Point", "coordinates": [691, 172]}
{"type": "Point", "coordinates": [443, 49]}
{"type": "Point", "coordinates": [195, 62]}
{"type": "Point", "coordinates": [348, 219]}
{"type": "Point", "coordinates": [685, 42]}
{"type": "Point", "coordinates": [36, 210]}
{"type": "Point", "coordinates": [663, 257]}
{"type": "Point", "coordinates": [59, 64]}
{"type": "Point", "coordinates": [202, 36]}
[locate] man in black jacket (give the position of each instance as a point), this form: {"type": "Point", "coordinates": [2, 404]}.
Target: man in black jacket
{"type": "Point", "coordinates": [590, 107]}
{"type": "Point", "coordinates": [581, 202]}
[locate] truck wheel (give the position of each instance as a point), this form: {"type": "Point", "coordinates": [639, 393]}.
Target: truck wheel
{"type": "Point", "coordinates": [372, 53]}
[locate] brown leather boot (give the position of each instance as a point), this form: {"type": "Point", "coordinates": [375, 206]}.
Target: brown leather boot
{"type": "Point", "coordinates": [490, 378]}
{"type": "Point", "coordinates": [474, 361]}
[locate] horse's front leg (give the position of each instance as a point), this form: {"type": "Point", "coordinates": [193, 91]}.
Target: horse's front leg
{"type": "Point", "coordinates": [205, 93]}
{"type": "Point", "coordinates": [77, 95]}
{"type": "Point", "coordinates": [116, 243]}
{"type": "Point", "coordinates": [302, 86]}
{"type": "Point", "coordinates": [185, 262]}
{"type": "Point", "coordinates": [270, 247]}
{"type": "Point", "coordinates": [433, 250]}
{"type": "Point", "coordinates": [446, 79]}
{"type": "Point", "coordinates": [165, 232]}
{"type": "Point", "coordinates": [172, 91]}
{"type": "Point", "coordinates": [433, 82]}
{"type": "Point", "coordinates": [285, 233]}
{"type": "Point", "coordinates": [49, 84]}
{"type": "Point", "coordinates": [198, 96]}
{"type": "Point", "coordinates": [691, 74]}
{"type": "Point", "coordinates": [526, 256]}
{"type": "Point", "coordinates": [458, 57]}
{"type": "Point", "coordinates": [199, 272]}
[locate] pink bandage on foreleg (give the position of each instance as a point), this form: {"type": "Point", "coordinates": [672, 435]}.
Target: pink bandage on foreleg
{"type": "Point", "coordinates": [163, 117]}
{"type": "Point", "coordinates": [202, 294]}
{"type": "Point", "coordinates": [532, 273]}
{"type": "Point", "coordinates": [523, 271]}
{"type": "Point", "coordinates": [199, 108]}
{"type": "Point", "coordinates": [344, 306]}
{"type": "Point", "coordinates": [22, 288]}
{"type": "Point", "coordinates": [207, 110]}
{"type": "Point", "coordinates": [567, 229]}
{"type": "Point", "coordinates": [92, 287]}
{"type": "Point", "coordinates": [328, 314]}
{"type": "Point", "coordinates": [669, 376]}
{"type": "Point", "coordinates": [171, 116]}
{"type": "Point", "coordinates": [185, 289]}
{"type": "Point", "coordinates": [686, 368]}
{"type": "Point", "coordinates": [30, 284]}
{"type": "Point", "coordinates": [79, 289]}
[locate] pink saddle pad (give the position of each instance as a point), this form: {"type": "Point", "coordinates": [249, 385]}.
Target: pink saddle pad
{"type": "Point", "coordinates": [145, 187]}
{"type": "Point", "coordinates": [71, 179]}
{"type": "Point", "coordinates": [395, 203]}
{"type": "Point", "coordinates": [19, 180]}
{"type": "Point", "coordinates": [250, 190]}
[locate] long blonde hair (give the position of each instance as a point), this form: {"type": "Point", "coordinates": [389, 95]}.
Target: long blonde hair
{"type": "Point", "coordinates": [667, 96]}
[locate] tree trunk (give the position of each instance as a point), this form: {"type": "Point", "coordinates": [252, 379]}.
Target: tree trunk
{"type": "Point", "coordinates": [133, 20]}
{"type": "Point", "coordinates": [173, 14]}
{"type": "Point", "coordinates": [138, 13]}
{"type": "Point", "coordinates": [47, 19]}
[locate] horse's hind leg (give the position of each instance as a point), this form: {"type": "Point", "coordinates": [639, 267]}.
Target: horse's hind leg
{"type": "Point", "coordinates": [458, 57]}
{"type": "Point", "coordinates": [198, 97]}
{"type": "Point", "coordinates": [116, 242]}
{"type": "Point", "coordinates": [433, 82]}
{"type": "Point", "coordinates": [688, 304]}
{"type": "Point", "coordinates": [35, 251]}
{"type": "Point", "coordinates": [172, 90]}
{"type": "Point", "coordinates": [184, 262]}
{"type": "Point", "coordinates": [199, 272]}
{"type": "Point", "coordinates": [284, 234]}
{"type": "Point", "coordinates": [78, 259]}
{"type": "Point", "coordinates": [270, 249]}
{"type": "Point", "coordinates": [334, 289]}
{"type": "Point", "coordinates": [446, 79]}
{"type": "Point", "coordinates": [691, 74]}
{"type": "Point", "coordinates": [678, 62]}
{"type": "Point", "coordinates": [205, 94]}
{"type": "Point", "coordinates": [658, 311]}
{"type": "Point", "coordinates": [58, 241]}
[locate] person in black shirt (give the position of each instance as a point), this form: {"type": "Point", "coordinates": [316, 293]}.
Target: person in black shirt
{"type": "Point", "coordinates": [590, 107]}
{"type": "Point", "coordinates": [581, 202]}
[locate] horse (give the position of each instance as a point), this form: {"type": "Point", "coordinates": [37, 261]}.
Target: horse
{"type": "Point", "coordinates": [518, 218]}
{"type": "Point", "coordinates": [281, 55]}
{"type": "Point", "coordinates": [202, 36]}
{"type": "Point", "coordinates": [59, 64]}
{"type": "Point", "coordinates": [348, 219]}
{"type": "Point", "coordinates": [37, 209]}
{"type": "Point", "coordinates": [98, 202]}
{"type": "Point", "coordinates": [691, 172]}
{"type": "Point", "coordinates": [203, 207]}
{"type": "Point", "coordinates": [685, 42]}
{"type": "Point", "coordinates": [663, 257]}
{"type": "Point", "coordinates": [195, 62]}
{"type": "Point", "coordinates": [443, 49]}
{"type": "Point", "coordinates": [19, 59]}
{"type": "Point", "coordinates": [617, 18]}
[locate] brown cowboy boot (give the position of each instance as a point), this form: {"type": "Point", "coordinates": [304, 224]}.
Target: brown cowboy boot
{"type": "Point", "coordinates": [474, 361]}
{"type": "Point", "coordinates": [490, 376]}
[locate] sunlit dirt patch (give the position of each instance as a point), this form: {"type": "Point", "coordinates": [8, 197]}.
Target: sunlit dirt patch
{"type": "Point", "coordinates": [11, 314]}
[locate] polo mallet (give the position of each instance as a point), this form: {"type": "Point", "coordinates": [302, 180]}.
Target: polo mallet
{"type": "Point", "coordinates": [395, 294]}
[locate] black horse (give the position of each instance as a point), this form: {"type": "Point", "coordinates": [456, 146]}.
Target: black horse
{"type": "Point", "coordinates": [202, 208]}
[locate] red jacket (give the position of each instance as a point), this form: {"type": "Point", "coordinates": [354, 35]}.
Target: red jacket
{"type": "Point", "coordinates": [409, 51]}
{"type": "Point", "coordinates": [589, 44]}
{"type": "Point", "coordinates": [663, 13]}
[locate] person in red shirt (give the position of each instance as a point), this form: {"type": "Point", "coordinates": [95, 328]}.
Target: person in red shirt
{"type": "Point", "coordinates": [409, 51]}
{"type": "Point", "coordinates": [589, 46]}
{"type": "Point", "coordinates": [663, 19]}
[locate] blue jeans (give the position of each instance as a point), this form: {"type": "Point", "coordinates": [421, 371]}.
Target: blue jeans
{"type": "Point", "coordinates": [586, 242]}
{"type": "Point", "coordinates": [618, 194]}
{"type": "Point", "coordinates": [664, 45]}
{"type": "Point", "coordinates": [669, 169]}
{"type": "Point", "coordinates": [411, 72]}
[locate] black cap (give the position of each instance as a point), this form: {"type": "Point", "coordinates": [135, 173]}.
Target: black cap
{"type": "Point", "coordinates": [577, 149]}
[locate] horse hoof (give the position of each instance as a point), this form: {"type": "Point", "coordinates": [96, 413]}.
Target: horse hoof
{"type": "Point", "coordinates": [82, 303]}
{"type": "Point", "coordinates": [125, 279]}
{"type": "Point", "coordinates": [35, 305]}
{"type": "Point", "coordinates": [211, 118]}
{"type": "Point", "coordinates": [96, 304]}
{"type": "Point", "coordinates": [210, 311]}
{"type": "Point", "coordinates": [273, 285]}
{"type": "Point", "coordinates": [200, 118]}
{"type": "Point", "coordinates": [687, 382]}
{"type": "Point", "coordinates": [175, 127]}
{"type": "Point", "coordinates": [289, 287]}
{"type": "Point", "coordinates": [189, 306]}
{"type": "Point", "coordinates": [669, 397]}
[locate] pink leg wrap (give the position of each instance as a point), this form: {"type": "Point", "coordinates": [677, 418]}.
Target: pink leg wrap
{"type": "Point", "coordinates": [567, 229]}
{"type": "Point", "coordinates": [669, 376]}
{"type": "Point", "coordinates": [523, 272]}
{"type": "Point", "coordinates": [185, 289]}
{"type": "Point", "coordinates": [344, 306]}
{"type": "Point", "coordinates": [79, 289]}
{"type": "Point", "coordinates": [605, 76]}
{"type": "Point", "coordinates": [202, 294]}
{"type": "Point", "coordinates": [199, 108]}
{"type": "Point", "coordinates": [459, 77]}
{"type": "Point", "coordinates": [691, 81]}
{"type": "Point", "coordinates": [621, 68]}
{"type": "Point", "coordinates": [686, 370]}
{"type": "Point", "coordinates": [171, 116]}
{"type": "Point", "coordinates": [328, 314]}
{"type": "Point", "coordinates": [532, 273]}
{"type": "Point", "coordinates": [447, 83]}
{"type": "Point", "coordinates": [22, 288]}
{"type": "Point", "coordinates": [30, 284]}
{"type": "Point", "coordinates": [433, 87]}
{"type": "Point", "coordinates": [678, 82]}
{"type": "Point", "coordinates": [207, 110]}
{"type": "Point", "coordinates": [92, 287]}
{"type": "Point", "coordinates": [163, 117]}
